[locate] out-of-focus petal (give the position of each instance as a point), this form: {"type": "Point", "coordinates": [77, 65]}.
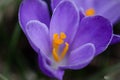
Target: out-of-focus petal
{"type": "Point", "coordinates": [54, 3]}
{"type": "Point", "coordinates": [38, 33]}
{"type": "Point", "coordinates": [85, 4]}
{"type": "Point", "coordinates": [33, 10]}
{"type": "Point", "coordinates": [45, 66]}
{"type": "Point", "coordinates": [96, 30]}
{"type": "Point", "coordinates": [65, 19]}
{"type": "Point", "coordinates": [109, 9]}
{"type": "Point", "coordinates": [116, 39]}
{"type": "Point", "coordinates": [80, 57]}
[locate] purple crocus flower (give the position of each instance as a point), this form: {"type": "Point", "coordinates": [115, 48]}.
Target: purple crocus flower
{"type": "Point", "coordinates": [106, 8]}
{"type": "Point", "coordinates": [67, 41]}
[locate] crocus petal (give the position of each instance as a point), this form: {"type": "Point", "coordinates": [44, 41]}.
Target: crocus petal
{"type": "Point", "coordinates": [107, 8]}
{"type": "Point", "coordinates": [85, 4]}
{"type": "Point", "coordinates": [45, 66]}
{"type": "Point", "coordinates": [54, 3]}
{"type": "Point", "coordinates": [63, 22]}
{"type": "Point", "coordinates": [38, 34]}
{"type": "Point", "coordinates": [116, 39]}
{"type": "Point", "coordinates": [96, 30]}
{"type": "Point", "coordinates": [81, 15]}
{"type": "Point", "coordinates": [33, 10]}
{"type": "Point", "coordinates": [80, 57]}
{"type": "Point", "coordinates": [80, 3]}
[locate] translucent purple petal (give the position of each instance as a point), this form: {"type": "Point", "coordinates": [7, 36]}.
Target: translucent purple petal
{"type": "Point", "coordinates": [96, 30]}
{"type": "Point", "coordinates": [38, 34]}
{"type": "Point", "coordinates": [65, 19]}
{"type": "Point", "coordinates": [80, 57]}
{"type": "Point", "coordinates": [33, 10]}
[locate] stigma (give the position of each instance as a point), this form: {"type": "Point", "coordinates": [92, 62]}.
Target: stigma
{"type": "Point", "coordinates": [90, 12]}
{"type": "Point", "coordinates": [58, 40]}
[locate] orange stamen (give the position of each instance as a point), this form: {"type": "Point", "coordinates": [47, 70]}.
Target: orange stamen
{"type": "Point", "coordinates": [55, 55]}
{"type": "Point", "coordinates": [57, 41]}
{"type": "Point", "coordinates": [64, 50]}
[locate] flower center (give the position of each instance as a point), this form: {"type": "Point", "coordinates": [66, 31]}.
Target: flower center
{"type": "Point", "coordinates": [90, 12]}
{"type": "Point", "coordinates": [58, 40]}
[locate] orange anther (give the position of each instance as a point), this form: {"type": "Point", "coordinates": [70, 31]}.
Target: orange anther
{"type": "Point", "coordinates": [62, 35]}
{"type": "Point", "coordinates": [55, 36]}
{"type": "Point", "coordinates": [59, 41]}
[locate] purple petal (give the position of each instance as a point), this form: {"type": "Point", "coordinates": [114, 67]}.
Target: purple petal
{"type": "Point", "coordinates": [80, 3]}
{"type": "Point", "coordinates": [85, 4]}
{"type": "Point", "coordinates": [33, 10]}
{"type": "Point", "coordinates": [37, 32]}
{"type": "Point", "coordinates": [96, 30]}
{"type": "Point", "coordinates": [108, 9]}
{"type": "Point", "coordinates": [81, 16]}
{"type": "Point", "coordinates": [80, 57]}
{"type": "Point", "coordinates": [54, 3]}
{"type": "Point", "coordinates": [65, 19]}
{"type": "Point", "coordinates": [116, 39]}
{"type": "Point", "coordinates": [45, 66]}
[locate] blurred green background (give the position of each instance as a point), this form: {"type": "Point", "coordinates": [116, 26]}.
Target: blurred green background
{"type": "Point", "coordinates": [18, 61]}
